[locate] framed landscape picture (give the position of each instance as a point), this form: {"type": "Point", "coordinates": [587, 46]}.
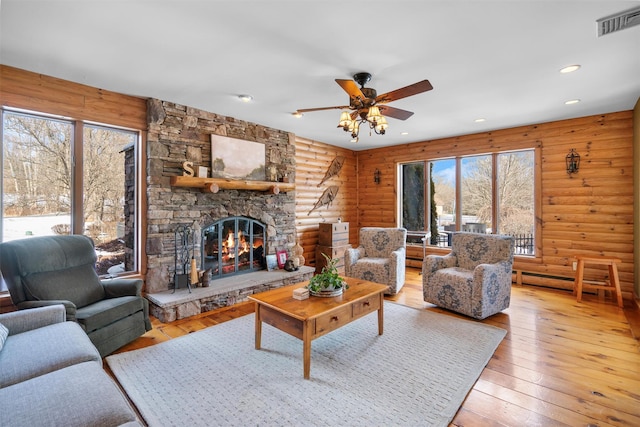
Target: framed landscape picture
{"type": "Point", "coordinates": [233, 158]}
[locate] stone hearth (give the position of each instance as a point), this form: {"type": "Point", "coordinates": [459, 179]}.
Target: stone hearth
{"type": "Point", "coordinates": [168, 306]}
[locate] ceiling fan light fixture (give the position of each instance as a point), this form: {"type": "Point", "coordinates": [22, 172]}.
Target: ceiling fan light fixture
{"type": "Point", "coordinates": [374, 116]}
{"type": "Point", "coordinates": [355, 129]}
{"type": "Point", "coordinates": [381, 126]}
{"type": "Point", "coordinates": [245, 98]}
{"type": "Point", "coordinates": [345, 121]}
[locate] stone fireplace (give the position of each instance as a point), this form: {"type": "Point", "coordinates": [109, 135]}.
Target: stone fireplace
{"type": "Point", "coordinates": [178, 134]}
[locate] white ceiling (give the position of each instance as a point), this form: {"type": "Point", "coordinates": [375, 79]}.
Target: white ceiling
{"type": "Point", "coordinates": [497, 60]}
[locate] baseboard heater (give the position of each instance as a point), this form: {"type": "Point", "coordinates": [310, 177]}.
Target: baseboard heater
{"type": "Point", "coordinates": [543, 280]}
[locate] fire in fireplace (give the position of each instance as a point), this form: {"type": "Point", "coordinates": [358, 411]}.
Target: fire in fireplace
{"type": "Point", "coordinates": [233, 245]}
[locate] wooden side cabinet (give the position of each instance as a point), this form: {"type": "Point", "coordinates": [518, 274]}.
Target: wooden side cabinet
{"type": "Point", "coordinates": [333, 241]}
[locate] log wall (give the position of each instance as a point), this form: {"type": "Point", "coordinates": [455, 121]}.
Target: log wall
{"type": "Point", "coordinates": [636, 194]}
{"type": "Point", "coordinates": [589, 213]}
{"type": "Point", "coordinates": [312, 162]}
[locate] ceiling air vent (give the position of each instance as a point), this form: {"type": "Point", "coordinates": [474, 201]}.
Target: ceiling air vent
{"type": "Point", "coordinates": [619, 21]}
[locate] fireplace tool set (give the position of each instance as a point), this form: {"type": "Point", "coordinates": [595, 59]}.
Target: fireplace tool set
{"type": "Point", "coordinates": [185, 268]}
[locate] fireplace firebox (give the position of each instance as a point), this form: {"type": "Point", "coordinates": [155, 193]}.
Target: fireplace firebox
{"type": "Point", "coordinates": [233, 245]}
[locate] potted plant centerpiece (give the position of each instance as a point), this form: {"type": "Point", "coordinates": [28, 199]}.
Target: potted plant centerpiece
{"type": "Point", "coordinates": [328, 283]}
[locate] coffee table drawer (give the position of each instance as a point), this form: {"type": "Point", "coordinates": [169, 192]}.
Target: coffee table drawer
{"type": "Point", "coordinates": [278, 320]}
{"type": "Point", "coordinates": [333, 320]}
{"type": "Point", "coordinates": [365, 306]}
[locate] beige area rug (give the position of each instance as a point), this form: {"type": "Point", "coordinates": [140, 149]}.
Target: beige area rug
{"type": "Point", "coordinates": [417, 373]}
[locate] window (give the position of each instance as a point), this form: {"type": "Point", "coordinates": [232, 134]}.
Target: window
{"type": "Point", "coordinates": [476, 194]}
{"type": "Point", "coordinates": [515, 198]}
{"type": "Point", "coordinates": [413, 196]}
{"type": "Point", "coordinates": [46, 192]}
{"type": "Point", "coordinates": [443, 208]}
{"type": "Point", "coordinates": [492, 193]}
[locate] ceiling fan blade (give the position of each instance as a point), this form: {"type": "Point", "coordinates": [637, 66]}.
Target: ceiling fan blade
{"type": "Point", "coordinates": [351, 88]}
{"type": "Point", "coordinates": [396, 113]}
{"type": "Point", "coordinates": [404, 92]}
{"type": "Point", "coordinates": [337, 107]}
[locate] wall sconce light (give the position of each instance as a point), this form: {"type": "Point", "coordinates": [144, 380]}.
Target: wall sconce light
{"type": "Point", "coordinates": [573, 162]}
{"type": "Point", "coordinates": [376, 176]}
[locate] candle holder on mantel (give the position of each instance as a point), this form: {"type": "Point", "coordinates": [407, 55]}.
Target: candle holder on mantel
{"type": "Point", "coordinates": [185, 263]}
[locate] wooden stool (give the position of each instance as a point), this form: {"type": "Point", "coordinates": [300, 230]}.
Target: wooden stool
{"type": "Point", "coordinates": [613, 284]}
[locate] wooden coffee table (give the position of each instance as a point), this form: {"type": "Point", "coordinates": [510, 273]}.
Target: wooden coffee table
{"type": "Point", "coordinates": [317, 316]}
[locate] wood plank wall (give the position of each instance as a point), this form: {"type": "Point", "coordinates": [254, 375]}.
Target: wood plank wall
{"type": "Point", "coordinates": [589, 213]}
{"type": "Point", "coordinates": [37, 92]}
{"type": "Point", "coordinates": [312, 161]}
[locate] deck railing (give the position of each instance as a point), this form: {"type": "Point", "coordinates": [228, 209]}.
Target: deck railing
{"type": "Point", "coordinates": [523, 245]}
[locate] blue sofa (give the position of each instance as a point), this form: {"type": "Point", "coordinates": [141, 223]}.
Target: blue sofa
{"type": "Point", "coordinates": [51, 374]}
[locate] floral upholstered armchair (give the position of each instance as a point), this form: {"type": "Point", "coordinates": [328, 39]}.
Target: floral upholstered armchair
{"type": "Point", "coordinates": [474, 279]}
{"type": "Point", "coordinates": [380, 257]}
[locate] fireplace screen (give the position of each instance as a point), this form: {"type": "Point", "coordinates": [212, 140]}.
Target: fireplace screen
{"type": "Point", "coordinates": [233, 245]}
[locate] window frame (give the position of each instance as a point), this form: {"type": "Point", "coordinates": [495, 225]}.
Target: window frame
{"type": "Point", "coordinates": [537, 228]}
{"type": "Point", "coordinates": [77, 180]}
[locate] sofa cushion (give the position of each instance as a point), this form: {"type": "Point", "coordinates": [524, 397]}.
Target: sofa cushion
{"type": "Point", "coordinates": [372, 269]}
{"type": "Point", "coordinates": [78, 395]}
{"type": "Point", "coordinates": [43, 350]}
{"type": "Point", "coordinates": [4, 333]}
{"type": "Point", "coordinates": [79, 284]}
{"type": "Point", "coordinates": [107, 311]}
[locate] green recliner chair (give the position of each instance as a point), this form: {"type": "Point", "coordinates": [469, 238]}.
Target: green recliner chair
{"type": "Point", "coordinates": [47, 270]}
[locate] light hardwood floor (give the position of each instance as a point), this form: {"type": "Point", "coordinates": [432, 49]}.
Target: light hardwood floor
{"type": "Point", "coordinates": [561, 363]}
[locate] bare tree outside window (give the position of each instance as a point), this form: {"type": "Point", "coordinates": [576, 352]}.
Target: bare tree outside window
{"type": "Point", "coordinates": [36, 167]}
{"type": "Point", "coordinates": [107, 205]}
{"type": "Point", "coordinates": [514, 190]}
{"type": "Point", "coordinates": [477, 196]}
{"type": "Point", "coordinates": [516, 193]}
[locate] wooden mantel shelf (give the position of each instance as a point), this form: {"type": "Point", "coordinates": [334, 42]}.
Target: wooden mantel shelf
{"type": "Point", "coordinates": [213, 185]}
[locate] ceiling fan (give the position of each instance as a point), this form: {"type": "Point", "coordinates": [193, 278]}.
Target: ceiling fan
{"type": "Point", "coordinates": [368, 107]}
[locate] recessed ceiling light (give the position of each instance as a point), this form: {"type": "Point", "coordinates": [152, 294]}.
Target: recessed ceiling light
{"type": "Point", "coordinates": [245, 98]}
{"type": "Point", "coordinates": [480, 120]}
{"type": "Point", "coordinates": [404, 133]}
{"type": "Point", "coordinates": [572, 101]}
{"type": "Point", "coordinates": [297, 114]}
{"type": "Point", "coordinates": [569, 69]}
